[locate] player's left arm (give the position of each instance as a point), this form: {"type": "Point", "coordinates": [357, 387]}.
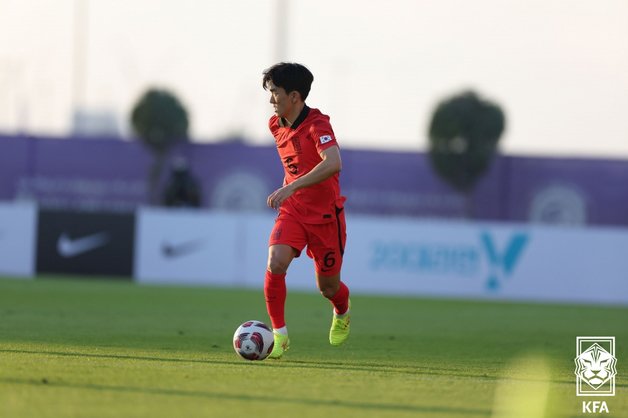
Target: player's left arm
{"type": "Point", "coordinates": [330, 164]}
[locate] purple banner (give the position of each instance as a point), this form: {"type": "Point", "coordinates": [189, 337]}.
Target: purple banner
{"type": "Point", "coordinates": [104, 174]}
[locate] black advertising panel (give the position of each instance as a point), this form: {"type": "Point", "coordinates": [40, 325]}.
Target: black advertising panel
{"type": "Point", "coordinates": [85, 243]}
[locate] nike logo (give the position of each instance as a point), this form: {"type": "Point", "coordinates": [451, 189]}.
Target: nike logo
{"type": "Point", "coordinates": [68, 247]}
{"type": "Point", "coordinates": [171, 250]}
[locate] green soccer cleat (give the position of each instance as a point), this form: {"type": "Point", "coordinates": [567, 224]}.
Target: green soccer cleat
{"type": "Point", "coordinates": [340, 327]}
{"type": "Point", "coordinates": [281, 345]}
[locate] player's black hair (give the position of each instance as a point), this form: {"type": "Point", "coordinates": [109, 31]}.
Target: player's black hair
{"type": "Point", "coordinates": [289, 76]}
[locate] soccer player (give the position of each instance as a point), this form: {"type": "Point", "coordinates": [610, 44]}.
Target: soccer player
{"type": "Point", "coordinates": [309, 202]}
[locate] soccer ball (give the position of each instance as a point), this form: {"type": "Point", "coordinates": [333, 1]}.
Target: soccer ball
{"type": "Point", "coordinates": [253, 340]}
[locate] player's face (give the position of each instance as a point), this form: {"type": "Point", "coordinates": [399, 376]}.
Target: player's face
{"type": "Point", "coordinates": [281, 101]}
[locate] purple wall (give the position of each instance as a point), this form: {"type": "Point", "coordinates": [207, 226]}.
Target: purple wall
{"type": "Point", "coordinates": [112, 175]}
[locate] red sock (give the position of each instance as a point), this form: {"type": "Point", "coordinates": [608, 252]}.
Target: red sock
{"type": "Point", "coordinates": [275, 293]}
{"type": "Point", "coordinates": [341, 299]}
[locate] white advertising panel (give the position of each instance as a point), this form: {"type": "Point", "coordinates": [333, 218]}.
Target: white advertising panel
{"type": "Point", "coordinates": [482, 260]}
{"type": "Point", "coordinates": [18, 223]}
{"type": "Point", "coordinates": [466, 260]}
{"type": "Point", "coordinates": [187, 247]}
{"type": "Point", "coordinates": [396, 256]}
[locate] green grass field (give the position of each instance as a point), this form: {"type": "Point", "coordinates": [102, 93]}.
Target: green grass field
{"type": "Point", "coordinates": [96, 348]}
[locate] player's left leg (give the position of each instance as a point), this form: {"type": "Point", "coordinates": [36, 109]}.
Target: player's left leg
{"type": "Point", "coordinates": [327, 250]}
{"type": "Point", "coordinates": [335, 290]}
{"type": "Point", "coordinates": [326, 247]}
{"type": "Point", "coordinates": [338, 294]}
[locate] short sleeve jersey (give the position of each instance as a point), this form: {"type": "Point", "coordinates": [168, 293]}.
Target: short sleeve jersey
{"type": "Point", "coordinates": [299, 148]}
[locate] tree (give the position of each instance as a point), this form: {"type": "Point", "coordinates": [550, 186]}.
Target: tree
{"type": "Point", "coordinates": [464, 133]}
{"type": "Point", "coordinates": [160, 121]}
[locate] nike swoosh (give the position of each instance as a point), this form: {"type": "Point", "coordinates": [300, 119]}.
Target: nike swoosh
{"type": "Point", "coordinates": [177, 250]}
{"type": "Point", "coordinates": [68, 247]}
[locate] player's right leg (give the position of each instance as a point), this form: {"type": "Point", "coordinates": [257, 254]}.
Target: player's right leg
{"type": "Point", "coordinates": [287, 239]}
{"type": "Point", "coordinates": [279, 258]}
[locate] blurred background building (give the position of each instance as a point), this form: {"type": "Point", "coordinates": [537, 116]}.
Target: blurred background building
{"type": "Point", "coordinates": [77, 147]}
{"type": "Point", "coordinates": [557, 67]}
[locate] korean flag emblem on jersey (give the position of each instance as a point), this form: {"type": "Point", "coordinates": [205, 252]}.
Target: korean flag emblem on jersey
{"type": "Point", "coordinates": [325, 139]}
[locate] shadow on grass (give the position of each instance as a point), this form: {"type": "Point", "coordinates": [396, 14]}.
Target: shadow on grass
{"type": "Point", "coordinates": [251, 398]}
{"type": "Point", "coordinates": [283, 363]}
{"type": "Point", "coordinates": [287, 363]}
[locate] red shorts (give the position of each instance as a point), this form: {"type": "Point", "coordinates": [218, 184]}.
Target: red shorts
{"type": "Point", "coordinates": [325, 242]}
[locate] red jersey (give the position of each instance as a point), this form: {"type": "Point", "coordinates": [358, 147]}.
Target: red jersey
{"type": "Point", "coordinates": [299, 148]}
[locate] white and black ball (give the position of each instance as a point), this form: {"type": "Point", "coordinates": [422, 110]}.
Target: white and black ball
{"type": "Point", "coordinates": [253, 340]}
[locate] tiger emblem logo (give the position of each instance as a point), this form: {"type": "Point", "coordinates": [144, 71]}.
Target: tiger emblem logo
{"type": "Point", "coordinates": [595, 366]}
